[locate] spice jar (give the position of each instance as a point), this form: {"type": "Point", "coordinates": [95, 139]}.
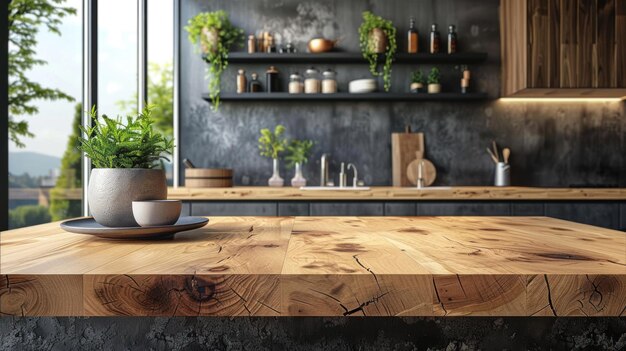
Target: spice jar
{"type": "Point", "coordinates": [296, 86]}
{"type": "Point", "coordinates": [255, 85]}
{"type": "Point", "coordinates": [435, 39]}
{"type": "Point", "coordinates": [271, 80]}
{"type": "Point", "coordinates": [251, 44]}
{"type": "Point", "coordinates": [312, 81]}
{"type": "Point", "coordinates": [451, 39]}
{"type": "Point", "coordinates": [329, 83]}
{"type": "Point", "coordinates": [241, 82]}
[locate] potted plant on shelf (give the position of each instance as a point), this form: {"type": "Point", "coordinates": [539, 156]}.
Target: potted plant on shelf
{"type": "Point", "coordinates": [434, 85]}
{"type": "Point", "coordinates": [215, 34]}
{"type": "Point", "coordinates": [298, 154]}
{"type": "Point", "coordinates": [378, 36]}
{"type": "Point", "coordinates": [272, 144]}
{"type": "Point", "coordinates": [126, 156]}
{"type": "Point", "coordinates": [417, 81]}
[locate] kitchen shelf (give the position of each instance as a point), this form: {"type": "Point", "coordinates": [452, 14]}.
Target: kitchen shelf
{"type": "Point", "coordinates": [354, 57]}
{"type": "Point", "coordinates": [351, 97]}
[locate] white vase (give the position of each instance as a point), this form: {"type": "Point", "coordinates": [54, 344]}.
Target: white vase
{"type": "Point", "coordinates": [276, 180]}
{"type": "Point", "coordinates": [298, 180]}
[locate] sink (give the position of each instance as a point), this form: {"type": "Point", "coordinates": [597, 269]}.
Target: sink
{"type": "Point", "coordinates": [336, 188]}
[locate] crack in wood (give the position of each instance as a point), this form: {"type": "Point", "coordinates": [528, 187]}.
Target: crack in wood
{"type": "Point", "coordinates": [360, 308]}
{"type": "Point", "coordinates": [461, 285]}
{"type": "Point", "coordinates": [356, 258]}
{"type": "Point", "coordinates": [545, 277]}
{"type": "Point", "coordinates": [8, 283]}
{"type": "Point", "coordinates": [595, 291]}
{"type": "Point", "coordinates": [332, 297]}
{"type": "Point", "coordinates": [439, 298]}
{"type": "Point", "coordinates": [242, 299]}
{"type": "Point", "coordinates": [271, 308]}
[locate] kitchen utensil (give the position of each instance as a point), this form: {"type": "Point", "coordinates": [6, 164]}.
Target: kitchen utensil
{"type": "Point", "coordinates": [495, 150]}
{"type": "Point", "coordinates": [505, 154]}
{"type": "Point", "coordinates": [493, 157]}
{"type": "Point", "coordinates": [208, 178]}
{"type": "Point", "coordinates": [319, 45]}
{"type": "Point", "coordinates": [503, 174]}
{"type": "Point", "coordinates": [404, 147]}
{"type": "Point", "coordinates": [362, 86]}
{"type": "Point", "coordinates": [429, 172]}
{"type": "Point", "coordinates": [153, 213]}
{"type": "Point", "coordinates": [188, 163]}
{"type": "Point", "coordinates": [90, 226]}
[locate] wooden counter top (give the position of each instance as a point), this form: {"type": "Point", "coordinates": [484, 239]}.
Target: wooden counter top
{"type": "Point", "coordinates": [322, 266]}
{"type": "Point", "coordinates": [396, 194]}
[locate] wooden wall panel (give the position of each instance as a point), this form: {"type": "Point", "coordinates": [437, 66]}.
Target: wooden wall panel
{"type": "Point", "coordinates": [514, 46]}
{"type": "Point", "coordinates": [605, 47]}
{"type": "Point", "coordinates": [620, 43]}
{"type": "Point", "coordinates": [569, 43]}
{"type": "Point", "coordinates": [539, 44]}
{"type": "Point", "coordinates": [587, 26]}
{"type": "Point", "coordinates": [554, 33]}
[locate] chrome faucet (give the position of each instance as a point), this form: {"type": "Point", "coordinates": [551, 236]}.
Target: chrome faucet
{"type": "Point", "coordinates": [355, 179]}
{"type": "Point", "coordinates": [342, 176]}
{"type": "Point", "coordinates": [420, 175]}
{"type": "Point", "coordinates": [324, 170]}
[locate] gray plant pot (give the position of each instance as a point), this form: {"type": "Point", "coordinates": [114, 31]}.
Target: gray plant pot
{"type": "Point", "coordinates": [113, 190]}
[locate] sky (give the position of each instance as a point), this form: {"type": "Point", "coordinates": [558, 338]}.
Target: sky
{"type": "Point", "coordinates": [117, 40]}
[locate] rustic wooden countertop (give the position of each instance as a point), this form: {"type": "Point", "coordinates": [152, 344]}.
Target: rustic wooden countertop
{"type": "Point", "coordinates": [387, 193]}
{"type": "Point", "coordinates": [322, 266]}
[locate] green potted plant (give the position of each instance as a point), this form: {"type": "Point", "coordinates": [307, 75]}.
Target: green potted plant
{"type": "Point", "coordinates": [378, 36]}
{"type": "Point", "coordinates": [214, 34]}
{"type": "Point", "coordinates": [417, 81]}
{"type": "Point", "coordinates": [272, 144]}
{"type": "Point", "coordinates": [127, 158]}
{"type": "Point", "coordinates": [434, 85]}
{"type": "Point", "coordinates": [298, 153]}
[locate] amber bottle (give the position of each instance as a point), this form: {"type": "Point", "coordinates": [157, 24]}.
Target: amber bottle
{"type": "Point", "coordinates": [435, 40]}
{"type": "Point", "coordinates": [412, 38]}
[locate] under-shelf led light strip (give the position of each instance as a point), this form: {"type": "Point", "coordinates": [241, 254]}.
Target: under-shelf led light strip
{"type": "Point", "coordinates": [561, 99]}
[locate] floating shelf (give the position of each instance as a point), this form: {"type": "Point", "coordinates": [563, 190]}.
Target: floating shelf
{"type": "Point", "coordinates": [354, 57]}
{"type": "Point", "coordinates": [351, 97]}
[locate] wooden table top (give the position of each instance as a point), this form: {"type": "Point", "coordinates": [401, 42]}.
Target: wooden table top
{"type": "Point", "coordinates": [322, 266]}
{"type": "Point", "coordinates": [388, 193]}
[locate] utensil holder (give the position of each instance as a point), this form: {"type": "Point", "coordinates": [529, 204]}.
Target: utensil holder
{"type": "Point", "coordinates": [502, 174]}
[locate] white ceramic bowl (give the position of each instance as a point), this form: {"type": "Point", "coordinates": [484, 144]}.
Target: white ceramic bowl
{"type": "Point", "coordinates": [152, 213]}
{"type": "Point", "coordinates": [362, 86]}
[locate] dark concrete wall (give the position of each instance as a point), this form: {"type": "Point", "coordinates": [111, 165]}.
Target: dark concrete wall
{"type": "Point", "coordinates": [356, 333]}
{"type": "Point", "coordinates": [553, 144]}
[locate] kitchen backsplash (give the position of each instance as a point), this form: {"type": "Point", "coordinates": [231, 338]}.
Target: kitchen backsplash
{"type": "Point", "coordinates": [553, 144]}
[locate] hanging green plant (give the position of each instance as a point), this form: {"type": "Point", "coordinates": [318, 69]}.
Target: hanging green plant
{"type": "Point", "coordinates": [378, 36]}
{"type": "Point", "coordinates": [214, 34]}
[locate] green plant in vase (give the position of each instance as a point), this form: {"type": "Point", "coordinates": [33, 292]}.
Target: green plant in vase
{"type": "Point", "coordinates": [378, 36]}
{"type": "Point", "coordinates": [298, 153]}
{"type": "Point", "coordinates": [434, 81]}
{"type": "Point", "coordinates": [127, 157]}
{"type": "Point", "coordinates": [214, 34]}
{"type": "Point", "coordinates": [272, 144]}
{"type": "Point", "coordinates": [417, 81]}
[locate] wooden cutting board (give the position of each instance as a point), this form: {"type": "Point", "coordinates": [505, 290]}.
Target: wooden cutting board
{"type": "Point", "coordinates": [403, 150]}
{"type": "Point", "coordinates": [429, 175]}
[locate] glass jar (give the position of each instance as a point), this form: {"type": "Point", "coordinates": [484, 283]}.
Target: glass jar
{"type": "Point", "coordinates": [329, 83]}
{"type": "Point", "coordinates": [254, 86]}
{"type": "Point", "coordinates": [296, 86]}
{"type": "Point", "coordinates": [312, 81]}
{"type": "Point", "coordinates": [271, 80]}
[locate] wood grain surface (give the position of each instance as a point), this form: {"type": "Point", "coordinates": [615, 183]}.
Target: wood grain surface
{"type": "Point", "coordinates": [322, 266]}
{"type": "Point", "coordinates": [397, 193]}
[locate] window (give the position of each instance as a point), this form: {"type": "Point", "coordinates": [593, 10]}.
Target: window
{"type": "Point", "coordinates": [44, 108]}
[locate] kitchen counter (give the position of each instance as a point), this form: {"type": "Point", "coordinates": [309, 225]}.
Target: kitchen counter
{"type": "Point", "coordinates": [396, 194]}
{"type": "Point", "coordinates": [322, 266]}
